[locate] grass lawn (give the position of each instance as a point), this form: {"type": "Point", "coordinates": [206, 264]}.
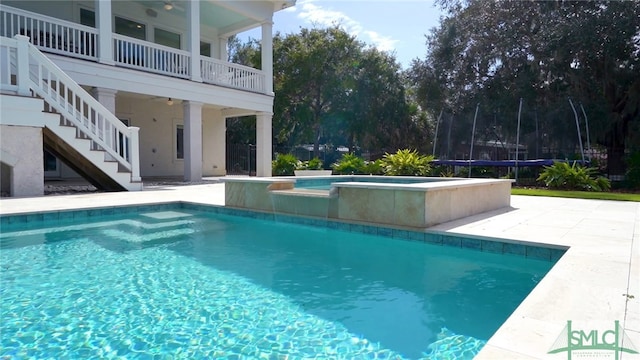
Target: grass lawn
{"type": "Point", "coordinates": [577, 194]}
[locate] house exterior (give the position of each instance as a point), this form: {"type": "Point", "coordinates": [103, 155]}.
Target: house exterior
{"type": "Point", "coordinates": [144, 84]}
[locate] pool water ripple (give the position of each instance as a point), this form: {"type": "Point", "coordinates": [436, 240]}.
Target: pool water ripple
{"type": "Point", "coordinates": [77, 295]}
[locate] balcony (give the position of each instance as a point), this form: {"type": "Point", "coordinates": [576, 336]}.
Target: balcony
{"type": "Point", "coordinates": [70, 39]}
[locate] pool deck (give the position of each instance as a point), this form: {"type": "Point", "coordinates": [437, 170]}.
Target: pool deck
{"type": "Point", "coordinates": [594, 284]}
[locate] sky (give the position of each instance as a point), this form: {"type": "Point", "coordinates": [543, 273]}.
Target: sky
{"type": "Point", "coordinates": [396, 26]}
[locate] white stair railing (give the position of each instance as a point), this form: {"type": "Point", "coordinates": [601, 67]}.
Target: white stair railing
{"type": "Point", "coordinates": [30, 70]}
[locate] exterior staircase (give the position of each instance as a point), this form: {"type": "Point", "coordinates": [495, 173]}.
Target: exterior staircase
{"type": "Point", "coordinates": [92, 163]}
{"type": "Point", "coordinates": [83, 133]}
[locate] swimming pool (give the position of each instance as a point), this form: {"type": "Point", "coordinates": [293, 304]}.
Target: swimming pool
{"type": "Point", "coordinates": [199, 285]}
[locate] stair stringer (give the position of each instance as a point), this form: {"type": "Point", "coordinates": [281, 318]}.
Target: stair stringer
{"type": "Point", "coordinates": [77, 153]}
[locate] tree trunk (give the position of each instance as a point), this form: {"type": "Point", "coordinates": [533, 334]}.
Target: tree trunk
{"type": "Point", "coordinates": [615, 162]}
{"type": "Point", "coordinates": [616, 167]}
{"type": "Point", "coordinates": [316, 143]}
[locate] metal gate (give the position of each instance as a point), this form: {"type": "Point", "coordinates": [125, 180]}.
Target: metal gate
{"type": "Point", "coordinates": [241, 159]}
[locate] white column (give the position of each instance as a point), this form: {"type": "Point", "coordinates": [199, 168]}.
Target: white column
{"type": "Point", "coordinates": [213, 143]}
{"type": "Point", "coordinates": [192, 140]}
{"type": "Point", "coordinates": [22, 54]}
{"type": "Point", "coordinates": [105, 40]}
{"type": "Point", "coordinates": [106, 97]}
{"type": "Point", "coordinates": [224, 51]}
{"type": "Point", "coordinates": [194, 39]}
{"type": "Point", "coordinates": [263, 142]}
{"type": "Point", "coordinates": [267, 56]}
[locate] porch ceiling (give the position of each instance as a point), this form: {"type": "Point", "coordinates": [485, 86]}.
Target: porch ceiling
{"type": "Point", "coordinates": [211, 14]}
{"type": "Point", "coordinates": [153, 100]}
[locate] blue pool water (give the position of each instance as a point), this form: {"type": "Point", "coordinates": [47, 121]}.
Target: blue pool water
{"type": "Point", "coordinates": [324, 183]}
{"type": "Point", "coordinates": [196, 285]}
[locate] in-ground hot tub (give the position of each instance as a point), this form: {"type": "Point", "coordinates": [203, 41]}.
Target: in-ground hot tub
{"type": "Point", "coordinates": [416, 202]}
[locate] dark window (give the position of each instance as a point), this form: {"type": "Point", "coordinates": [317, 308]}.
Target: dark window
{"type": "Point", "coordinates": [205, 49]}
{"type": "Point", "coordinates": [166, 38]}
{"type": "Point", "coordinates": [50, 162]}
{"type": "Point", "coordinates": [131, 28]}
{"type": "Point", "coordinates": [179, 142]}
{"type": "Point", "coordinates": [87, 17]}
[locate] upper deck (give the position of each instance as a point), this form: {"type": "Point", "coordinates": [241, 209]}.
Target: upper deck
{"type": "Point", "coordinates": [153, 37]}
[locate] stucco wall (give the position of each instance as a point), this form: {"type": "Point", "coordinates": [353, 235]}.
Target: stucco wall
{"type": "Point", "coordinates": [157, 122]}
{"type": "Point", "coordinates": [22, 151]}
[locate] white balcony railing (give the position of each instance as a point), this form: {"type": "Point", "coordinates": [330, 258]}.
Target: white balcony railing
{"type": "Point", "coordinates": [62, 37]}
{"type": "Point", "coordinates": [50, 34]}
{"type": "Point", "coordinates": [223, 73]}
{"type": "Point", "coordinates": [146, 56]}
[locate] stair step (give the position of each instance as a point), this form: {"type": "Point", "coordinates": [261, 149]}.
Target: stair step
{"type": "Point", "coordinates": [78, 145]}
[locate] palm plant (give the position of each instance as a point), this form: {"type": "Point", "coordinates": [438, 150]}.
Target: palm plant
{"type": "Point", "coordinates": [563, 176]}
{"type": "Point", "coordinates": [406, 163]}
{"type": "Point", "coordinates": [284, 165]}
{"type": "Point", "coordinates": [349, 164]}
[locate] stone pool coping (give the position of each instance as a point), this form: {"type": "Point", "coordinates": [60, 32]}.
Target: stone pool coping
{"type": "Point", "coordinates": [588, 285]}
{"type": "Point", "coordinates": [426, 201]}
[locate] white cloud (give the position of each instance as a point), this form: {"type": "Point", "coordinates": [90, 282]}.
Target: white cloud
{"type": "Point", "coordinates": [316, 15]}
{"type": "Point", "coordinates": [383, 43]}
{"type": "Point", "coordinates": [319, 16]}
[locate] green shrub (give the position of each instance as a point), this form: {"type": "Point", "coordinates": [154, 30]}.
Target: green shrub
{"type": "Point", "coordinates": [313, 164]}
{"type": "Point", "coordinates": [406, 163]}
{"type": "Point", "coordinates": [603, 184]}
{"type": "Point", "coordinates": [284, 165]}
{"type": "Point", "coordinates": [349, 164]}
{"type": "Point", "coordinates": [563, 176]}
{"type": "Point", "coordinates": [528, 173]}
{"type": "Point", "coordinates": [442, 171]}
{"type": "Point", "coordinates": [463, 172]}
{"type": "Point", "coordinates": [373, 168]}
{"type": "Point", "coordinates": [477, 172]}
{"type": "Point", "coordinates": [509, 175]}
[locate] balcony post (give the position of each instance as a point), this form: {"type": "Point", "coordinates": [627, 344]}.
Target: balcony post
{"type": "Point", "coordinates": [267, 56]}
{"type": "Point", "coordinates": [194, 39]}
{"type": "Point", "coordinates": [192, 140]}
{"type": "Point", "coordinates": [22, 63]}
{"type": "Point", "coordinates": [224, 52]}
{"type": "Point", "coordinates": [105, 39]}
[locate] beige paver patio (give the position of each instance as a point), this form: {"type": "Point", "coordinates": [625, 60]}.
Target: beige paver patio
{"type": "Point", "coordinates": [595, 283]}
